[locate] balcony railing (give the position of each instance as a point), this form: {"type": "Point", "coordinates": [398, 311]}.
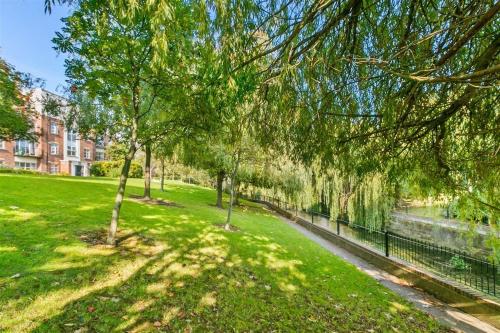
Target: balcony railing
{"type": "Point", "coordinates": [27, 151]}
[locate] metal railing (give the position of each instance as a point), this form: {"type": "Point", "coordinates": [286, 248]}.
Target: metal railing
{"type": "Point", "coordinates": [460, 266]}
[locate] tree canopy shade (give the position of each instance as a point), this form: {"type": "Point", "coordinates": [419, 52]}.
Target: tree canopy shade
{"type": "Point", "coordinates": [386, 86]}
{"type": "Point", "coordinates": [355, 90]}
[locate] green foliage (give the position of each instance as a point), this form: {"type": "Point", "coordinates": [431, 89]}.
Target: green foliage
{"type": "Point", "coordinates": [458, 263]}
{"type": "Point", "coordinates": [15, 109]}
{"type": "Point", "coordinates": [20, 171]}
{"type": "Point", "coordinates": [113, 169]}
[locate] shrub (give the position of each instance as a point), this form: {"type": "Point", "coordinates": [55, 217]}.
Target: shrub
{"type": "Point", "coordinates": [21, 171]}
{"type": "Point", "coordinates": [114, 168]}
{"type": "Point", "coordinates": [458, 263]}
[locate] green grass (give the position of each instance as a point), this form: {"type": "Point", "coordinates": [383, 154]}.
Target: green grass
{"type": "Point", "coordinates": [179, 272]}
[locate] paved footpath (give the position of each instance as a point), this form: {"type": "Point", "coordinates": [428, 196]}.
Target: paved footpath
{"type": "Point", "coordinates": [444, 313]}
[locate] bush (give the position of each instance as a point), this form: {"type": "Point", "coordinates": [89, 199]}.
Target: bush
{"type": "Point", "coordinates": [114, 168]}
{"type": "Point", "coordinates": [458, 263]}
{"type": "Point", "coordinates": [20, 171]}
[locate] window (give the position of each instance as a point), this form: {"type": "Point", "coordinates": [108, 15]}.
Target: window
{"type": "Point", "coordinates": [25, 165]}
{"type": "Point", "coordinates": [53, 149]}
{"type": "Point", "coordinates": [53, 128]}
{"type": "Point", "coordinates": [99, 156]}
{"type": "Point", "coordinates": [86, 153]}
{"type": "Point", "coordinates": [99, 142]}
{"type": "Point", "coordinates": [71, 151]}
{"type": "Point", "coordinates": [2, 144]}
{"type": "Point", "coordinates": [24, 147]}
{"type": "Point", "coordinates": [54, 168]}
{"type": "Point", "coordinates": [71, 136]}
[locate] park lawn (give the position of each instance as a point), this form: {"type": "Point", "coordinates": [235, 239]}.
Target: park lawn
{"type": "Point", "coordinates": [174, 270]}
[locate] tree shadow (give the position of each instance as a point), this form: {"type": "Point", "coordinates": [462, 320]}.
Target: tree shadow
{"type": "Point", "coordinates": [175, 271]}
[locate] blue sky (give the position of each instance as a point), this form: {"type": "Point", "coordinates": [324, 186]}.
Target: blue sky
{"type": "Point", "coordinates": [25, 39]}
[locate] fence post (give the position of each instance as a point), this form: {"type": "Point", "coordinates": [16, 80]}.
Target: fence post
{"type": "Point", "coordinates": [312, 217]}
{"type": "Point", "coordinates": [338, 226]}
{"type": "Point", "coordinates": [494, 279]}
{"type": "Point", "coordinates": [386, 243]}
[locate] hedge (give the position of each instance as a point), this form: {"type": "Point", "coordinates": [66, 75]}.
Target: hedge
{"type": "Point", "coordinates": [114, 168]}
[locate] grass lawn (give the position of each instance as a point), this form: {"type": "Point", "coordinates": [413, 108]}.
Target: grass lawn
{"type": "Point", "coordinates": [174, 270]}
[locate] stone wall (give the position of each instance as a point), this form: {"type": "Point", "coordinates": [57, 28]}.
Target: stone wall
{"type": "Point", "coordinates": [455, 237]}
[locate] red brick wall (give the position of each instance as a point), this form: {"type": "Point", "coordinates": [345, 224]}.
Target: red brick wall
{"type": "Point", "coordinates": [7, 155]}
{"type": "Point", "coordinates": [46, 138]}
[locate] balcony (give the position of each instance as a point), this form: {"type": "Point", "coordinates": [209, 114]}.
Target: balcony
{"type": "Point", "coordinates": [28, 151]}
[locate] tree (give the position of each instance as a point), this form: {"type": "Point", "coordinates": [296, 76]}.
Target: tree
{"type": "Point", "coordinates": [122, 62]}
{"type": "Point", "coordinates": [402, 84]}
{"type": "Point", "coordinates": [163, 149]}
{"type": "Point", "coordinates": [15, 106]}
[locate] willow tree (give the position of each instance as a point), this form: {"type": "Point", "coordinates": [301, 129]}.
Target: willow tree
{"type": "Point", "coordinates": [403, 84]}
{"type": "Point", "coordinates": [122, 54]}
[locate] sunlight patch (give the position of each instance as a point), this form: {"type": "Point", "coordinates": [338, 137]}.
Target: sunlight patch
{"type": "Point", "coordinates": [208, 299]}
{"type": "Point", "coordinates": [158, 287]}
{"type": "Point", "coordinates": [398, 307]}
{"type": "Point", "coordinates": [140, 305]}
{"type": "Point", "coordinates": [8, 248]}
{"type": "Point", "coordinates": [170, 314]}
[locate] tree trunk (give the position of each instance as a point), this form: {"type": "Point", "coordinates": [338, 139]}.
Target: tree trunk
{"type": "Point", "coordinates": [220, 180]}
{"type": "Point", "coordinates": [162, 179]}
{"type": "Point", "coordinates": [113, 226]}
{"type": "Point", "coordinates": [237, 195]}
{"type": "Point", "coordinates": [147, 173]}
{"type": "Point", "coordinates": [231, 197]}
{"type": "Point", "coordinates": [119, 195]}
{"type": "Point", "coordinates": [348, 189]}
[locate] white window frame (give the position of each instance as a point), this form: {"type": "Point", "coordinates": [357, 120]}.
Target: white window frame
{"type": "Point", "coordinates": [71, 136]}
{"type": "Point", "coordinates": [54, 128]}
{"type": "Point", "coordinates": [25, 165]}
{"type": "Point", "coordinates": [71, 151]}
{"type": "Point", "coordinates": [99, 155]}
{"type": "Point", "coordinates": [54, 168]}
{"type": "Point", "coordinates": [25, 147]}
{"type": "Point", "coordinates": [52, 150]}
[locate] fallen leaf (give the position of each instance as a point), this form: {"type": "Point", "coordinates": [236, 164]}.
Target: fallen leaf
{"type": "Point", "coordinates": [90, 308]}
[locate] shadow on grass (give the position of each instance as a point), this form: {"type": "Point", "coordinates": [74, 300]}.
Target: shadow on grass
{"type": "Point", "coordinates": [191, 276]}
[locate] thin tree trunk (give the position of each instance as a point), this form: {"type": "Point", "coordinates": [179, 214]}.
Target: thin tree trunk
{"type": "Point", "coordinates": [147, 173]}
{"type": "Point", "coordinates": [220, 180]}
{"type": "Point", "coordinates": [231, 197]}
{"type": "Point", "coordinates": [113, 226]}
{"type": "Point", "coordinates": [162, 179]}
{"type": "Point", "coordinates": [237, 195]}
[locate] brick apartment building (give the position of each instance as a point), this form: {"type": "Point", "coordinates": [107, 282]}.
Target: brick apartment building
{"type": "Point", "coordinates": [57, 150]}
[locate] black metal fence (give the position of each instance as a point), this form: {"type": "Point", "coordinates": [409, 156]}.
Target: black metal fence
{"type": "Point", "coordinates": [460, 266]}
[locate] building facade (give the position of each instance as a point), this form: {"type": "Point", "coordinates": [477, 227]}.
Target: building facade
{"type": "Point", "coordinates": [58, 150]}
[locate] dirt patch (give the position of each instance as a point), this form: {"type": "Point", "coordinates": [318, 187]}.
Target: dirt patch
{"type": "Point", "coordinates": [126, 241]}
{"type": "Point", "coordinates": [158, 202]}
{"type": "Point", "coordinates": [94, 237]}
{"type": "Point", "coordinates": [232, 228]}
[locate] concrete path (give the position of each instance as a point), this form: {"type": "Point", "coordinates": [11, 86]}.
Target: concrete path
{"type": "Point", "coordinates": [444, 313]}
